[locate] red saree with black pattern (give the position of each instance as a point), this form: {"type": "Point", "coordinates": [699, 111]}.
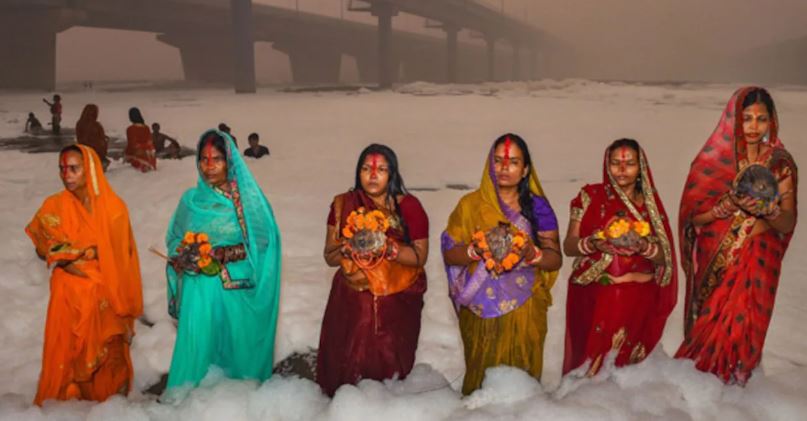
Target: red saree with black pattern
{"type": "Point", "coordinates": [732, 275]}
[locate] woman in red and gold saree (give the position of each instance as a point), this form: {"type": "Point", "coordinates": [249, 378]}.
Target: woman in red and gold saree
{"type": "Point", "coordinates": [731, 253]}
{"type": "Point", "coordinates": [91, 133]}
{"type": "Point", "coordinates": [619, 298]}
{"type": "Point", "coordinates": [140, 150]}
{"type": "Point", "coordinates": [372, 321]}
{"type": "Point", "coordinates": [95, 294]}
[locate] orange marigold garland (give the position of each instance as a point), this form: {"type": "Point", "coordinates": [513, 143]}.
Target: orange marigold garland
{"type": "Point", "coordinates": [501, 247]}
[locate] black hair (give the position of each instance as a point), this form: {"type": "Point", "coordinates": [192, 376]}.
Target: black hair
{"type": "Point", "coordinates": [135, 116]}
{"type": "Point", "coordinates": [760, 96]}
{"type": "Point", "coordinates": [524, 193]}
{"type": "Point", "coordinates": [71, 148]}
{"type": "Point", "coordinates": [224, 128]}
{"type": "Point", "coordinates": [57, 97]}
{"type": "Point", "coordinates": [395, 185]}
{"type": "Point", "coordinates": [156, 124]}
{"type": "Point", "coordinates": [253, 135]}
{"type": "Point", "coordinates": [632, 144]}
{"type": "Point", "coordinates": [214, 139]}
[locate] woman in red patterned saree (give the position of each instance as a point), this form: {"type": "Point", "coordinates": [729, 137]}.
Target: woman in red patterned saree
{"type": "Point", "coordinates": [731, 251]}
{"type": "Point", "coordinates": [619, 297]}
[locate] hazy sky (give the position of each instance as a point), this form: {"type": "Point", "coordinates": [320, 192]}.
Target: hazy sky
{"type": "Point", "coordinates": [613, 37]}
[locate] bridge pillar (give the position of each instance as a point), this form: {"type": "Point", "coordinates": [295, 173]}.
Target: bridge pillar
{"type": "Point", "coordinates": [516, 60]}
{"type": "Point", "coordinates": [491, 44]}
{"type": "Point", "coordinates": [452, 54]}
{"type": "Point", "coordinates": [312, 63]}
{"type": "Point", "coordinates": [28, 48]}
{"type": "Point", "coordinates": [385, 12]}
{"type": "Point", "coordinates": [533, 64]}
{"type": "Point", "coordinates": [206, 57]}
{"type": "Point", "coordinates": [243, 46]}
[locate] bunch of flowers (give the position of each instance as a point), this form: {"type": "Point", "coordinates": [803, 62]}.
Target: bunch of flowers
{"type": "Point", "coordinates": [501, 247]}
{"type": "Point", "coordinates": [195, 254]}
{"type": "Point", "coordinates": [623, 232]}
{"type": "Point", "coordinates": [366, 236]}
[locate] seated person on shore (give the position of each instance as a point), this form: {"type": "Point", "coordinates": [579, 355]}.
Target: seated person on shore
{"type": "Point", "coordinates": [164, 152]}
{"type": "Point", "coordinates": [32, 125]}
{"type": "Point", "coordinates": [255, 149]}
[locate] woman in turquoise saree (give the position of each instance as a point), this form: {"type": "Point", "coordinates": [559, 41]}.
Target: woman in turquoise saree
{"type": "Point", "coordinates": [223, 271]}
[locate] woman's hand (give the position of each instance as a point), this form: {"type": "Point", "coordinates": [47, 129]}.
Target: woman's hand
{"type": "Point", "coordinates": [71, 268]}
{"type": "Point", "coordinates": [606, 247]}
{"type": "Point", "coordinates": [746, 203]}
{"type": "Point", "coordinates": [392, 250]}
{"type": "Point", "coordinates": [725, 207]}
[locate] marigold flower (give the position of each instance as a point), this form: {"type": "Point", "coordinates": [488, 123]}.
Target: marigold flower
{"type": "Point", "coordinates": [642, 228]}
{"type": "Point", "coordinates": [519, 241]}
{"type": "Point", "coordinates": [189, 238]}
{"type": "Point", "coordinates": [490, 264]}
{"type": "Point", "coordinates": [510, 261]}
{"type": "Point", "coordinates": [205, 262]}
{"type": "Point", "coordinates": [205, 249]}
{"type": "Point", "coordinates": [347, 232]}
{"type": "Point", "coordinates": [201, 238]}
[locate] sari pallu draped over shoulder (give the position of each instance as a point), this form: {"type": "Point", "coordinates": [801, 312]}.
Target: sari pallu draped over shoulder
{"type": "Point", "coordinates": [367, 335]}
{"type": "Point", "coordinates": [90, 321]}
{"type": "Point", "coordinates": [731, 277]}
{"type": "Point", "coordinates": [229, 319]}
{"type": "Point", "coordinates": [626, 318]}
{"type": "Point", "coordinates": [502, 319]}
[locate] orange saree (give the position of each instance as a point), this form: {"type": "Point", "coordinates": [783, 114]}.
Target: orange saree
{"type": "Point", "coordinates": [90, 320]}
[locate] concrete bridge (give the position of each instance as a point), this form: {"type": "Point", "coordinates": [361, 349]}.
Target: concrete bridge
{"type": "Point", "coordinates": [215, 39]}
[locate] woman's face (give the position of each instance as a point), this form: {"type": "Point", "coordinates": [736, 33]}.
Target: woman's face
{"type": "Point", "coordinates": [71, 171]}
{"type": "Point", "coordinates": [756, 123]}
{"type": "Point", "coordinates": [374, 175]}
{"type": "Point", "coordinates": [508, 164]}
{"type": "Point", "coordinates": [213, 165]}
{"type": "Point", "coordinates": [623, 164]}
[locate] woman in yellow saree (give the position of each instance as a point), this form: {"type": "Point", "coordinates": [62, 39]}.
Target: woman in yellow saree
{"type": "Point", "coordinates": [502, 316]}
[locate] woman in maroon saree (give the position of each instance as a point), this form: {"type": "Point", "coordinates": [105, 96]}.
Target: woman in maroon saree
{"type": "Point", "coordinates": [366, 334]}
{"type": "Point", "coordinates": [731, 251]}
{"type": "Point", "coordinates": [619, 298]}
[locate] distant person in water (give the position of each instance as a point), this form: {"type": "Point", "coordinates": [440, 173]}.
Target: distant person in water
{"type": "Point", "coordinates": [55, 113]}
{"type": "Point", "coordinates": [255, 149]}
{"type": "Point", "coordinates": [90, 132]}
{"type": "Point", "coordinates": [140, 146]}
{"type": "Point", "coordinates": [226, 129]}
{"type": "Point", "coordinates": [32, 125]}
{"type": "Point", "coordinates": [171, 151]}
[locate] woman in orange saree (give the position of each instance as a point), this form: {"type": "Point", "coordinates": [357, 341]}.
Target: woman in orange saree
{"type": "Point", "coordinates": [731, 250]}
{"type": "Point", "coordinates": [83, 232]}
{"type": "Point", "coordinates": [140, 150]}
